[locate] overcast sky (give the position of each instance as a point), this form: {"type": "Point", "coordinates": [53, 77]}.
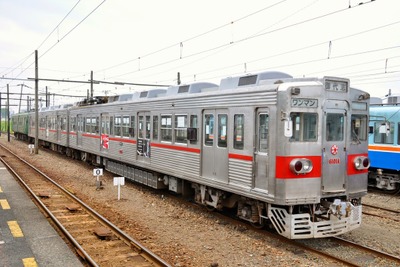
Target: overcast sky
{"type": "Point", "coordinates": [151, 41]}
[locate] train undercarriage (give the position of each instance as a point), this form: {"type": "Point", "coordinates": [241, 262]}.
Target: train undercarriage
{"type": "Point", "coordinates": [385, 180]}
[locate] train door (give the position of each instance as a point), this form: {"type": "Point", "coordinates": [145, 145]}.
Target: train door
{"type": "Point", "coordinates": [79, 132]}
{"type": "Point", "coordinates": [48, 126]}
{"type": "Point", "coordinates": [215, 145]}
{"type": "Point", "coordinates": [261, 154]}
{"type": "Point", "coordinates": [334, 151]}
{"type": "Point", "coordinates": [143, 141]}
{"type": "Point", "coordinates": [58, 128]}
{"type": "Point", "coordinates": [104, 132]}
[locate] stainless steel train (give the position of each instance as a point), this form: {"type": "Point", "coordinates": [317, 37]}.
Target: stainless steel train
{"type": "Point", "coordinates": [291, 152]}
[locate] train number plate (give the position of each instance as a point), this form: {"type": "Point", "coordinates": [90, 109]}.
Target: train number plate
{"type": "Point", "coordinates": [304, 102]}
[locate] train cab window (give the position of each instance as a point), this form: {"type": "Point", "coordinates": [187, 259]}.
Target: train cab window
{"type": "Point", "coordinates": [155, 127]}
{"type": "Point", "coordinates": [209, 129]}
{"type": "Point", "coordinates": [238, 131]}
{"type": "Point", "coordinates": [334, 127]}
{"type": "Point", "coordinates": [126, 122]}
{"type": "Point", "coordinates": [359, 126]}
{"type": "Point", "coordinates": [117, 125]}
{"type": "Point", "coordinates": [222, 130]}
{"type": "Point", "coordinates": [166, 128]}
{"type": "Point", "coordinates": [384, 133]}
{"type": "Point", "coordinates": [304, 127]}
{"type": "Point", "coordinates": [180, 129]}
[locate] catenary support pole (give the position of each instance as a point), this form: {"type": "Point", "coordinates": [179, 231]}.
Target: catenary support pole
{"type": "Point", "coordinates": [36, 103]}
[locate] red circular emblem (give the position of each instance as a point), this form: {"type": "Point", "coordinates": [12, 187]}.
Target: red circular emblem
{"type": "Point", "coordinates": [334, 149]}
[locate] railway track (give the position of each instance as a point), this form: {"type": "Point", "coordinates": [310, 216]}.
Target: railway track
{"type": "Point", "coordinates": [381, 212]}
{"type": "Point", "coordinates": [350, 253]}
{"type": "Point", "coordinates": [97, 241]}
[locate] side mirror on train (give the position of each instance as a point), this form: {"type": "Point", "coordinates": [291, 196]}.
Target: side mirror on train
{"type": "Point", "coordinates": [288, 128]}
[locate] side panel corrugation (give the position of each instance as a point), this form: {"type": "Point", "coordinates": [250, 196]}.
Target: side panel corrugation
{"type": "Point", "coordinates": [240, 172]}
{"type": "Point", "coordinates": [176, 161]}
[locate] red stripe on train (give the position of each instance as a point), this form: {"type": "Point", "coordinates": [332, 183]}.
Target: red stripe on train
{"type": "Point", "coordinates": [351, 169]}
{"type": "Point", "coordinates": [282, 167]}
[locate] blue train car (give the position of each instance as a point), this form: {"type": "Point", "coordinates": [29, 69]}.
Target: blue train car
{"type": "Point", "coordinates": [384, 146]}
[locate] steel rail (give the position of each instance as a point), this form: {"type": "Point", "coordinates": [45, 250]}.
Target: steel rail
{"type": "Point", "coordinates": [142, 249]}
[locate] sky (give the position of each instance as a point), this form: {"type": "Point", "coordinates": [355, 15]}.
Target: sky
{"type": "Point", "coordinates": [149, 42]}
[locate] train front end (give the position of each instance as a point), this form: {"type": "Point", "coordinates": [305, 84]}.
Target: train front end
{"type": "Point", "coordinates": [322, 162]}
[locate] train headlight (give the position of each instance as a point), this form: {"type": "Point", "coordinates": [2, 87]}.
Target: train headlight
{"type": "Point", "coordinates": [361, 163]}
{"type": "Point", "coordinates": [301, 166]}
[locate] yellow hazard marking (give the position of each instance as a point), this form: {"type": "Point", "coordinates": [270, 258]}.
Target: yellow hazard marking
{"type": "Point", "coordinates": [29, 262]}
{"type": "Point", "coordinates": [15, 229]}
{"type": "Point", "coordinates": [4, 204]}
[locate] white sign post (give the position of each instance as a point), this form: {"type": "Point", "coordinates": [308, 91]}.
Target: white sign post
{"type": "Point", "coordinates": [97, 173]}
{"type": "Point", "coordinates": [31, 147]}
{"type": "Point", "coordinates": [118, 181]}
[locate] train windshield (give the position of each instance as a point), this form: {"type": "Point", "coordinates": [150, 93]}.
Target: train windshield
{"type": "Point", "coordinates": [334, 127]}
{"type": "Point", "coordinates": [304, 126]}
{"type": "Point", "coordinates": [358, 128]}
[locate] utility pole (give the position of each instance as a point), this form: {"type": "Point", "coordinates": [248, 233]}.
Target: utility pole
{"type": "Point", "coordinates": [20, 98]}
{"type": "Point", "coordinates": [179, 78]}
{"type": "Point", "coordinates": [47, 98]}
{"type": "Point", "coordinates": [36, 103]}
{"type": "Point", "coordinates": [91, 84]}
{"type": "Point", "coordinates": [8, 113]}
{"type": "Point", "coordinates": [0, 115]}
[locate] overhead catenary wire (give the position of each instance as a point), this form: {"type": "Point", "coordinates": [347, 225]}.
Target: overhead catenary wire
{"type": "Point", "coordinates": [227, 44]}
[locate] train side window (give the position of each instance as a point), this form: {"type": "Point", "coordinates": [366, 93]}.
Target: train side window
{"type": "Point", "coordinates": [72, 124]}
{"type": "Point", "coordinates": [155, 127]}
{"type": "Point", "coordinates": [263, 132]}
{"type": "Point", "coordinates": [304, 127]}
{"type": "Point", "coordinates": [88, 124]}
{"type": "Point", "coordinates": [141, 127]}
{"type": "Point", "coordinates": [117, 125]}
{"type": "Point", "coordinates": [112, 125]}
{"type": "Point", "coordinates": [398, 134]}
{"type": "Point", "coordinates": [132, 128]}
{"type": "Point", "coordinates": [63, 124]}
{"type": "Point", "coordinates": [383, 133]}
{"type": "Point", "coordinates": [209, 129]}
{"type": "Point", "coordinates": [105, 124]}
{"type": "Point", "coordinates": [126, 122]}
{"type": "Point", "coordinates": [181, 129]}
{"type": "Point", "coordinates": [95, 125]}
{"type": "Point", "coordinates": [222, 130]}
{"type": "Point", "coordinates": [194, 125]}
{"type": "Point", "coordinates": [166, 128]}
{"type": "Point", "coordinates": [238, 131]}
{"type": "Point", "coordinates": [148, 127]}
